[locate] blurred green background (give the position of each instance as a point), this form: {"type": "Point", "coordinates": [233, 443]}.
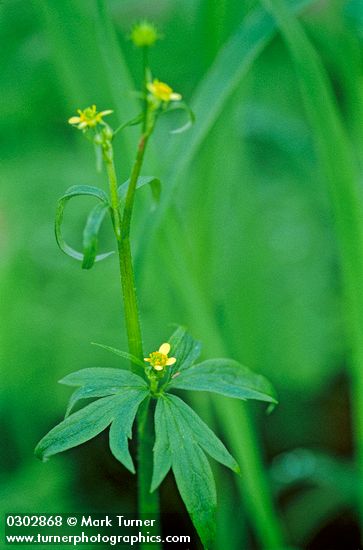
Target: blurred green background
{"type": "Point", "coordinates": [242, 250]}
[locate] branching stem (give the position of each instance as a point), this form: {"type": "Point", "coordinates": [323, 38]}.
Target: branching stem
{"type": "Point", "coordinates": [148, 503]}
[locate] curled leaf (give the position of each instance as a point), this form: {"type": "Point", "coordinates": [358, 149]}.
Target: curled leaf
{"type": "Point", "coordinates": [76, 191]}
{"type": "Point", "coordinates": [181, 106]}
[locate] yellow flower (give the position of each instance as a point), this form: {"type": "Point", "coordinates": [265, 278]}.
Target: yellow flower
{"type": "Point", "coordinates": [88, 118]}
{"type": "Point", "coordinates": [162, 92]}
{"type": "Point", "coordinates": [159, 359]}
{"type": "Point", "coordinates": [144, 34]}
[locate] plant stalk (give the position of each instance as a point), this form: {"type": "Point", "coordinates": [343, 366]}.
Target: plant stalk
{"type": "Point", "coordinates": [148, 503]}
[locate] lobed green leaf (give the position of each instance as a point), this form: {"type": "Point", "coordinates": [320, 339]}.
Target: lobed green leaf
{"type": "Point", "coordinates": [104, 377]}
{"type": "Point", "coordinates": [118, 410]}
{"type": "Point", "coordinates": [78, 428]}
{"type": "Point", "coordinates": [121, 427]}
{"type": "Point", "coordinates": [202, 434]}
{"type": "Point", "coordinates": [226, 377]}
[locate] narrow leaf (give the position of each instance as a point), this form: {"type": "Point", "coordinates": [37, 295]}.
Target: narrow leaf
{"type": "Point", "coordinates": [85, 190]}
{"type": "Point", "coordinates": [104, 377]}
{"type": "Point", "coordinates": [78, 428]}
{"type": "Point", "coordinates": [90, 235]}
{"type": "Point", "coordinates": [155, 186]}
{"type": "Point", "coordinates": [123, 354]}
{"type": "Point", "coordinates": [202, 434]}
{"type": "Point", "coordinates": [226, 377]}
{"type": "Point", "coordinates": [181, 106]}
{"type": "Point", "coordinates": [121, 427]}
{"type": "Point", "coordinates": [162, 455]}
{"type": "Point", "coordinates": [76, 191]}
{"type": "Point", "coordinates": [193, 476]}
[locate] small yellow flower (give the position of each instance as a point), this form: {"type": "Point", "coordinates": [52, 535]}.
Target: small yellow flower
{"type": "Point", "coordinates": [162, 92]}
{"type": "Point", "coordinates": [144, 34]}
{"type": "Point", "coordinates": [159, 359]}
{"type": "Point", "coordinates": [88, 118]}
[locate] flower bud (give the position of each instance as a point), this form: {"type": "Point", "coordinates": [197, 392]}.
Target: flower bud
{"type": "Point", "coordinates": [144, 34]}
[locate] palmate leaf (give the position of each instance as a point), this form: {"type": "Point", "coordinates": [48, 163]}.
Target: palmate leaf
{"type": "Point", "coordinates": [182, 438]}
{"type": "Point", "coordinates": [88, 422]}
{"type": "Point", "coordinates": [226, 377]}
{"type": "Point", "coordinates": [92, 225]}
{"type": "Point", "coordinates": [99, 382]}
{"type": "Point", "coordinates": [124, 390]}
{"type": "Point", "coordinates": [103, 377]}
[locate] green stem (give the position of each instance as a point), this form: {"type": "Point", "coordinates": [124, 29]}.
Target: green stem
{"type": "Point", "coordinates": [148, 503]}
{"type": "Point", "coordinates": [130, 196]}
{"type": "Point", "coordinates": [133, 327]}
{"type": "Point", "coordinates": [145, 65]}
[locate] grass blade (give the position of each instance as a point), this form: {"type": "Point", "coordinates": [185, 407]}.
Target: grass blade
{"type": "Point", "coordinates": [338, 166]}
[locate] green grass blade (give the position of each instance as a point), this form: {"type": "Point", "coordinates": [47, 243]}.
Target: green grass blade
{"type": "Point", "coordinates": [338, 166]}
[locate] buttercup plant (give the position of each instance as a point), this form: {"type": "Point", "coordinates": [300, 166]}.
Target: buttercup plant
{"type": "Point", "coordinates": [170, 435]}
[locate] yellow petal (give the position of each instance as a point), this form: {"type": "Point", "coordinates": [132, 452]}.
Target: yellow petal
{"type": "Point", "coordinates": [104, 113]}
{"type": "Point", "coordinates": [158, 367]}
{"type": "Point", "coordinates": [175, 97]}
{"type": "Point", "coordinates": [164, 349]}
{"type": "Point", "coordinates": [74, 120]}
{"type": "Point", "coordinates": [147, 359]}
{"type": "Point", "coordinates": [170, 361]}
{"type": "Point", "coordinates": [82, 125]}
